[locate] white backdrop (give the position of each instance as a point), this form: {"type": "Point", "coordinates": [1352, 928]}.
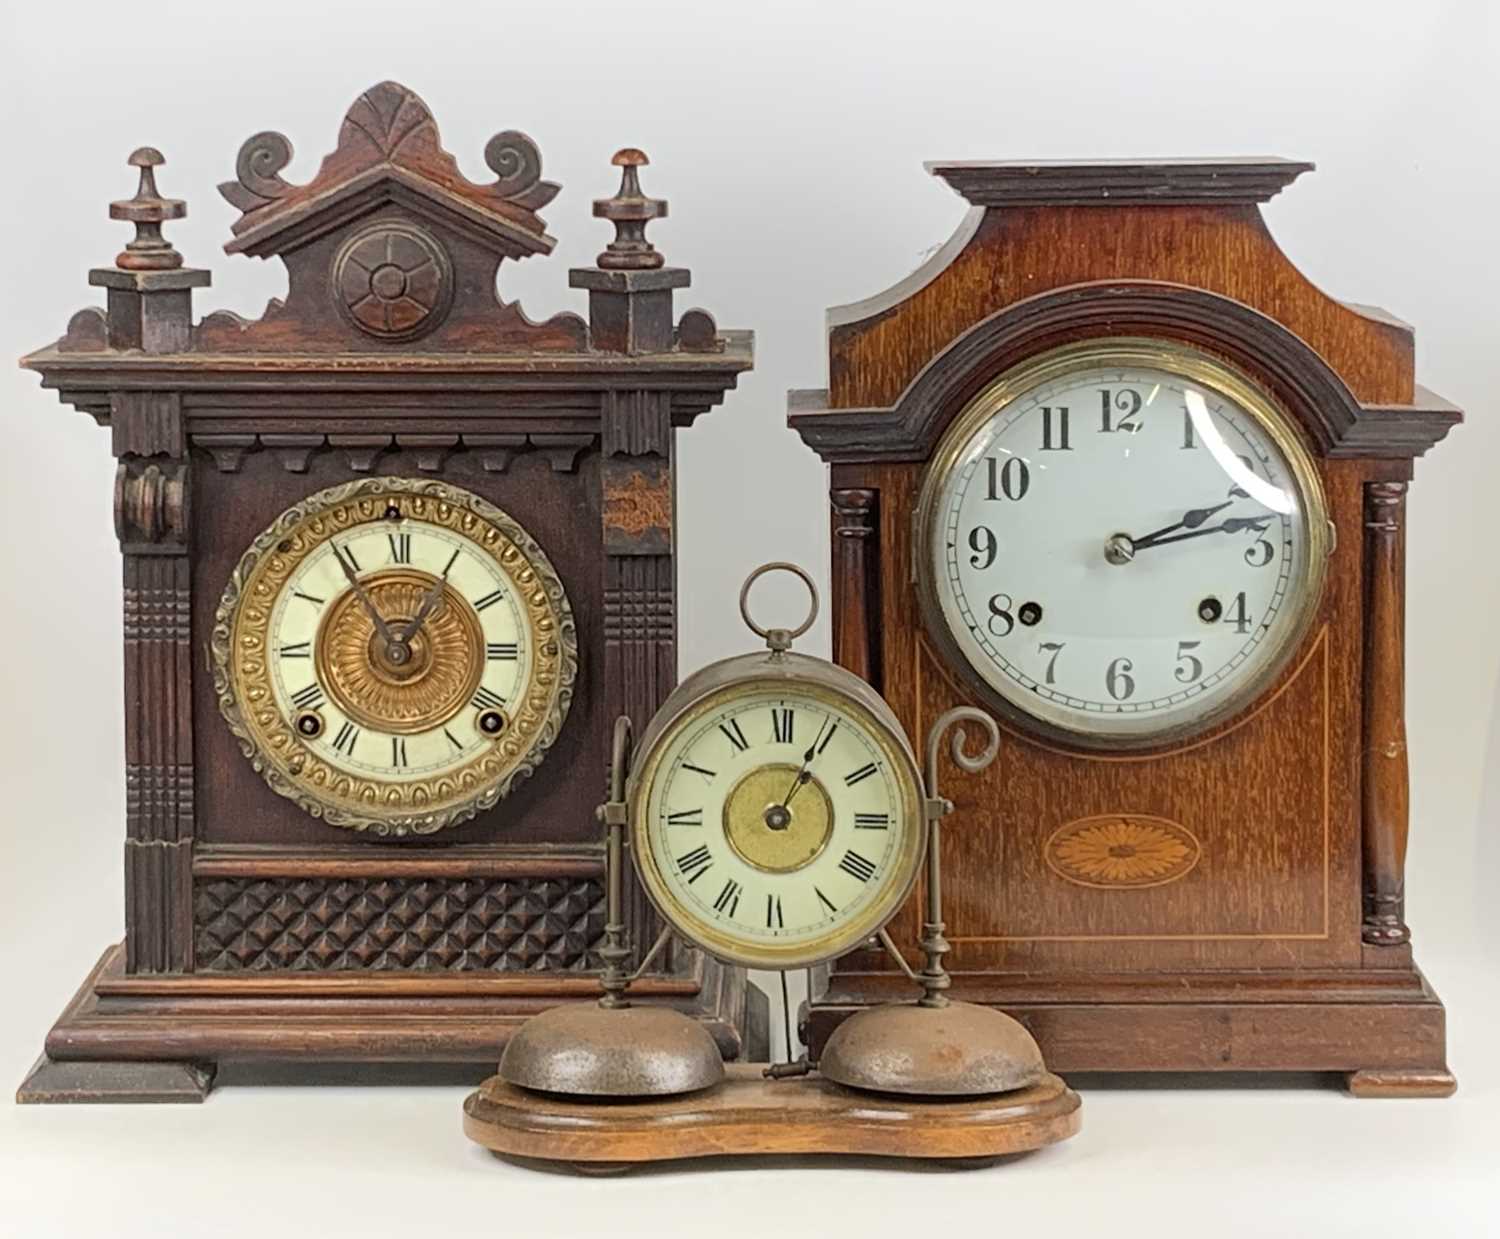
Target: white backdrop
{"type": "Point", "coordinates": [789, 139]}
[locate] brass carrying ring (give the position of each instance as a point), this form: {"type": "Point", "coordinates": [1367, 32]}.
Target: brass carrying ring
{"type": "Point", "coordinates": [779, 639]}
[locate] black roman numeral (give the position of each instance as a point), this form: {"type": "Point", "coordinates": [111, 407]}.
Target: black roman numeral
{"type": "Point", "coordinates": [398, 752]}
{"type": "Point", "coordinates": [860, 775]}
{"type": "Point", "coordinates": [856, 866]}
{"type": "Point", "coordinates": [736, 737]}
{"type": "Point", "coordinates": [309, 698]}
{"type": "Point", "coordinates": [489, 600]}
{"type": "Point", "coordinates": [872, 821]}
{"type": "Point", "coordinates": [685, 817]}
{"type": "Point", "coordinates": [316, 601]}
{"type": "Point", "coordinates": [825, 901]}
{"type": "Point", "coordinates": [453, 740]}
{"type": "Point", "coordinates": [728, 901]}
{"type": "Point", "coordinates": [298, 649]}
{"type": "Point", "coordinates": [346, 557]}
{"type": "Point", "coordinates": [782, 724]}
{"type": "Point", "coordinates": [347, 738]}
{"type": "Point", "coordinates": [707, 774]}
{"type": "Point", "coordinates": [448, 567]}
{"type": "Point", "coordinates": [693, 865]}
{"type": "Point", "coordinates": [486, 700]}
{"type": "Point", "coordinates": [504, 651]}
{"type": "Point", "coordinates": [773, 912]}
{"type": "Point", "coordinates": [827, 737]}
{"type": "Point", "coordinates": [400, 547]}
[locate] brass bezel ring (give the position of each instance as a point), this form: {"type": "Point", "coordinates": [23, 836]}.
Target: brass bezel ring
{"type": "Point", "coordinates": [368, 803]}
{"type": "Point", "coordinates": [1196, 366]}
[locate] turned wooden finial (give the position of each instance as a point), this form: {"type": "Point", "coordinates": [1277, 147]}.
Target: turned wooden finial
{"type": "Point", "coordinates": [148, 210]}
{"type": "Point", "coordinates": [630, 211]}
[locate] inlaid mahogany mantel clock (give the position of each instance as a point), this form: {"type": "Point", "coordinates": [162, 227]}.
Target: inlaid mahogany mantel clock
{"type": "Point", "coordinates": [1110, 467]}
{"type": "Point", "coordinates": [395, 557]}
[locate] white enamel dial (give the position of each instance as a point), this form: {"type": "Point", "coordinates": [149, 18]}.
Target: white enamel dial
{"type": "Point", "coordinates": [1122, 542]}
{"type": "Point", "coordinates": [776, 826]}
{"type": "Point", "coordinates": [438, 734]}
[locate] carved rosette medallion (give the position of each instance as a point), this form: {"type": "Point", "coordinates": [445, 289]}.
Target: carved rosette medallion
{"type": "Point", "coordinates": [1121, 851]}
{"type": "Point", "coordinates": [404, 741]}
{"type": "Point", "coordinates": [393, 281]}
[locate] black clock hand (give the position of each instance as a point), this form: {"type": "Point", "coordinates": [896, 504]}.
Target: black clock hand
{"type": "Point", "coordinates": [364, 599]}
{"type": "Point", "coordinates": [429, 600]}
{"type": "Point", "coordinates": [804, 774]}
{"type": "Point", "coordinates": [1191, 519]}
{"type": "Point", "coordinates": [1234, 524]}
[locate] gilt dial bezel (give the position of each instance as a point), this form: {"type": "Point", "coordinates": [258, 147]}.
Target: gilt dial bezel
{"type": "Point", "coordinates": [716, 688]}
{"type": "Point", "coordinates": [290, 765]}
{"type": "Point", "coordinates": [1304, 597]}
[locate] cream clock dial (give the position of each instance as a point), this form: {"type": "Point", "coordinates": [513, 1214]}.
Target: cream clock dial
{"type": "Point", "coordinates": [1123, 542]}
{"type": "Point", "coordinates": [777, 823]}
{"type": "Point", "coordinates": [394, 654]}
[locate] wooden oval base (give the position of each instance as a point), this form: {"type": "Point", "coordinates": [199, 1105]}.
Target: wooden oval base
{"type": "Point", "coordinates": [749, 1115]}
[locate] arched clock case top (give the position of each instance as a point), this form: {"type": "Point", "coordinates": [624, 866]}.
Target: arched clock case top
{"type": "Point", "coordinates": [1231, 897]}
{"type": "Point", "coordinates": [290, 763]}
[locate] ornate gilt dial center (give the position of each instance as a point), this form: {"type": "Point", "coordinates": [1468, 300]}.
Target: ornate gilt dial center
{"type": "Point", "coordinates": [400, 687]}
{"type": "Point", "coordinates": [776, 823]}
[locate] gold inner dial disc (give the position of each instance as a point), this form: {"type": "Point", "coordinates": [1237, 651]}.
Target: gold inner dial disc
{"type": "Point", "coordinates": [774, 823]}
{"type": "Point", "coordinates": [435, 677]}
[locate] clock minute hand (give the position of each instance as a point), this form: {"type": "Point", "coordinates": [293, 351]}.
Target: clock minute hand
{"type": "Point", "coordinates": [1233, 524]}
{"type": "Point", "coordinates": [1191, 519]}
{"type": "Point", "coordinates": [364, 599]}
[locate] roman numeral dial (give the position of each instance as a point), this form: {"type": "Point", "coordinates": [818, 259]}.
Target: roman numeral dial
{"type": "Point", "coordinates": [776, 825]}
{"type": "Point", "coordinates": [417, 648]}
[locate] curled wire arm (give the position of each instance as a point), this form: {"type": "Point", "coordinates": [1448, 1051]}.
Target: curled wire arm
{"type": "Point", "coordinates": [619, 758]}
{"type": "Point", "coordinates": [971, 763]}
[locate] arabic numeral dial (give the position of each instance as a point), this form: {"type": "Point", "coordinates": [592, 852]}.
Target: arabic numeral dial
{"type": "Point", "coordinates": [1122, 541]}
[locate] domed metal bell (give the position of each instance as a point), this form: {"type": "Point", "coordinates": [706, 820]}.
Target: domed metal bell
{"type": "Point", "coordinates": [623, 1051]}
{"type": "Point", "coordinates": [954, 1050]}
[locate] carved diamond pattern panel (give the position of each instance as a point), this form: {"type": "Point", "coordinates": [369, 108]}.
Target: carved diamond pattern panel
{"type": "Point", "coordinates": [397, 924]}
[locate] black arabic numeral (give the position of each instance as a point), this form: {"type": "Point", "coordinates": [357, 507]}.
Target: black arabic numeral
{"type": "Point", "coordinates": [1127, 402]}
{"type": "Point", "coordinates": [1057, 648]}
{"type": "Point", "coordinates": [1010, 481]}
{"type": "Point", "coordinates": [985, 546]}
{"type": "Point", "coordinates": [1118, 680]}
{"type": "Point", "coordinates": [1000, 605]}
{"type": "Point", "coordinates": [1189, 665]}
{"type": "Point", "coordinates": [1238, 615]}
{"type": "Point", "coordinates": [1055, 442]}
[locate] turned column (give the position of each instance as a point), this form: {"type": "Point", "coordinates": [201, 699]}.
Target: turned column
{"type": "Point", "coordinates": [856, 600]}
{"type": "Point", "coordinates": [1385, 771]}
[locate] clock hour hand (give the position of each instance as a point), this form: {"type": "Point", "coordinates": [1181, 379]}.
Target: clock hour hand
{"type": "Point", "coordinates": [381, 626]}
{"type": "Point", "coordinates": [429, 600]}
{"type": "Point", "coordinates": [804, 775]}
{"type": "Point", "coordinates": [1191, 519]}
{"type": "Point", "coordinates": [1233, 524]}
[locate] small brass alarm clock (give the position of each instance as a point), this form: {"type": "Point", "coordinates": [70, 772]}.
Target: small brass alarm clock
{"type": "Point", "coordinates": [777, 818]}
{"type": "Point", "coordinates": [776, 807]}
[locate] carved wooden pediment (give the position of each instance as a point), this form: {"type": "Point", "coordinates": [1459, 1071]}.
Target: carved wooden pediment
{"type": "Point", "coordinates": [389, 150]}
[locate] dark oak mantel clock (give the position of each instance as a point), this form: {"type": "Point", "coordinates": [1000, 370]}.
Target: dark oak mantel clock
{"type": "Point", "coordinates": [1110, 467]}
{"type": "Point", "coordinates": [395, 557]}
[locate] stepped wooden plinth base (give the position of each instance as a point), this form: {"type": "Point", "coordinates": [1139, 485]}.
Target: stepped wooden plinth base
{"type": "Point", "coordinates": [157, 1037]}
{"type": "Point", "coordinates": [749, 1115]}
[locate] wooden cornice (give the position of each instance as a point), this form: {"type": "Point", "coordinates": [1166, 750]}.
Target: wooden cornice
{"type": "Point", "coordinates": [1161, 182]}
